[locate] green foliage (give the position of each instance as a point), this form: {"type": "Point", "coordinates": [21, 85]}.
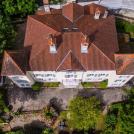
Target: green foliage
{"type": "Point", "coordinates": [48, 112]}
{"type": "Point", "coordinates": [16, 132]}
{"type": "Point", "coordinates": [82, 113]}
{"type": "Point", "coordinates": [120, 118]}
{"type": "Point", "coordinates": [3, 106]}
{"type": "Point", "coordinates": [87, 84]}
{"type": "Point", "coordinates": [19, 7]}
{"type": "Point", "coordinates": [47, 131]}
{"type": "Point", "coordinates": [7, 34]}
{"type": "Point", "coordinates": [56, 1]}
{"type": "Point", "coordinates": [102, 84]}
{"type": "Point", "coordinates": [124, 26]}
{"type": "Point", "coordinates": [37, 86]}
{"type": "Point", "coordinates": [51, 84]}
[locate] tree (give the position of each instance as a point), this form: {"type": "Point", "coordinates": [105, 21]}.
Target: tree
{"type": "Point", "coordinates": [120, 117]}
{"type": "Point", "coordinates": [7, 34]}
{"type": "Point", "coordinates": [19, 7]}
{"type": "Point", "coordinates": [82, 113]}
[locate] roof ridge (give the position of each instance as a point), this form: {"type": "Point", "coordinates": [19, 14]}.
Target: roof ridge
{"type": "Point", "coordinates": [72, 55]}
{"type": "Point", "coordinates": [70, 51]}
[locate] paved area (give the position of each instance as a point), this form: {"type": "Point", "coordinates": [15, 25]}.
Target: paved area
{"type": "Point", "coordinates": [28, 100]}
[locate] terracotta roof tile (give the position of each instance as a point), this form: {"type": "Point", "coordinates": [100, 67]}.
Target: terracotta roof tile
{"type": "Point", "coordinates": [124, 64]}
{"type": "Point", "coordinates": [101, 33]}
{"type": "Point", "coordinates": [73, 11]}
{"type": "Point", "coordinates": [70, 62]}
{"type": "Point", "coordinates": [14, 63]}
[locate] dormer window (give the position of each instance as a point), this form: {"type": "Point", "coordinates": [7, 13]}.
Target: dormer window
{"type": "Point", "coordinates": [84, 44]}
{"type": "Point", "coordinates": [97, 14]}
{"type": "Point", "coordinates": [52, 43]}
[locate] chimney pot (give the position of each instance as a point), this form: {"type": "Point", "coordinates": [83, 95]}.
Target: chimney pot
{"type": "Point", "coordinates": [97, 14]}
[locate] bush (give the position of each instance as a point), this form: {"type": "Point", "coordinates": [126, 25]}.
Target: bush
{"type": "Point", "coordinates": [51, 84]}
{"type": "Point", "coordinates": [102, 84]}
{"type": "Point", "coordinates": [124, 26]}
{"type": "Point", "coordinates": [37, 86]}
{"type": "Point", "coordinates": [47, 131]}
{"type": "Point", "coordinates": [120, 117]}
{"type": "Point", "coordinates": [82, 113]}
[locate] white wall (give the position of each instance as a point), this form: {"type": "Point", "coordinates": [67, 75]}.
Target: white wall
{"type": "Point", "coordinates": [72, 77]}
{"type": "Point", "coordinates": [50, 76]}
{"type": "Point", "coordinates": [96, 76]}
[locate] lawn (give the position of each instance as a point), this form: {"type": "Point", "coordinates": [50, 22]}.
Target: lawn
{"type": "Point", "coordinates": [51, 84]}
{"type": "Point", "coordinates": [38, 85]}
{"type": "Point", "coordinates": [102, 84]}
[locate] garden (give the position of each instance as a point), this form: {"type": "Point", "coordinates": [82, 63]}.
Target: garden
{"type": "Point", "coordinates": [38, 85]}
{"type": "Point", "coordinates": [101, 85]}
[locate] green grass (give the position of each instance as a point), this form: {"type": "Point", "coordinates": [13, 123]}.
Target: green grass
{"type": "Point", "coordinates": [51, 84]}
{"type": "Point", "coordinates": [102, 84]}
{"type": "Point", "coordinates": [87, 84]}
{"type": "Point", "coordinates": [124, 26]}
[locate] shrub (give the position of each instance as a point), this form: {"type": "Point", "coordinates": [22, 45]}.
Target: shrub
{"type": "Point", "coordinates": [82, 113]}
{"type": "Point", "coordinates": [37, 86]}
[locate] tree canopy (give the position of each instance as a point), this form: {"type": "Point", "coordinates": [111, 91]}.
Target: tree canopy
{"type": "Point", "coordinates": [120, 118]}
{"type": "Point", "coordinates": [7, 34]}
{"type": "Point", "coordinates": [19, 7]}
{"type": "Point", "coordinates": [82, 113]}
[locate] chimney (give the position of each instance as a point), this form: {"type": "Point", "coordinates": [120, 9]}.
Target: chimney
{"type": "Point", "coordinates": [97, 14]}
{"type": "Point", "coordinates": [52, 43]}
{"type": "Point", "coordinates": [84, 44]}
{"type": "Point", "coordinates": [105, 14]}
{"type": "Point", "coordinates": [46, 2]}
{"type": "Point", "coordinates": [47, 8]}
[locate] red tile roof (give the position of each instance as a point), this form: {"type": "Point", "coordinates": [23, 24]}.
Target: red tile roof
{"type": "Point", "coordinates": [72, 11]}
{"type": "Point", "coordinates": [68, 26]}
{"type": "Point", "coordinates": [14, 63]}
{"type": "Point", "coordinates": [124, 64]}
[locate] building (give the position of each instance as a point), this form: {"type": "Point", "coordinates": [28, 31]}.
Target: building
{"type": "Point", "coordinates": [70, 45]}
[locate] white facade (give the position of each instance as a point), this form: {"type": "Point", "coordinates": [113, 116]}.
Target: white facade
{"type": "Point", "coordinates": [72, 78]}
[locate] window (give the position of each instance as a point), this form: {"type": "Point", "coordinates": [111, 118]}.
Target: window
{"type": "Point", "coordinates": [21, 81]}
{"type": "Point", "coordinates": [22, 85]}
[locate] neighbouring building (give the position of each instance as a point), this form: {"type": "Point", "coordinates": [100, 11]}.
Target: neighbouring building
{"type": "Point", "coordinates": [70, 45]}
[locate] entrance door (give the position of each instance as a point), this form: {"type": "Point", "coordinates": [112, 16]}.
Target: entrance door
{"type": "Point", "coordinates": [71, 83]}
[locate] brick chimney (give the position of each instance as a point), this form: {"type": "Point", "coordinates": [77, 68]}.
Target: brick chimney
{"type": "Point", "coordinates": [84, 44]}
{"type": "Point", "coordinates": [52, 43]}
{"type": "Point", "coordinates": [97, 14]}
